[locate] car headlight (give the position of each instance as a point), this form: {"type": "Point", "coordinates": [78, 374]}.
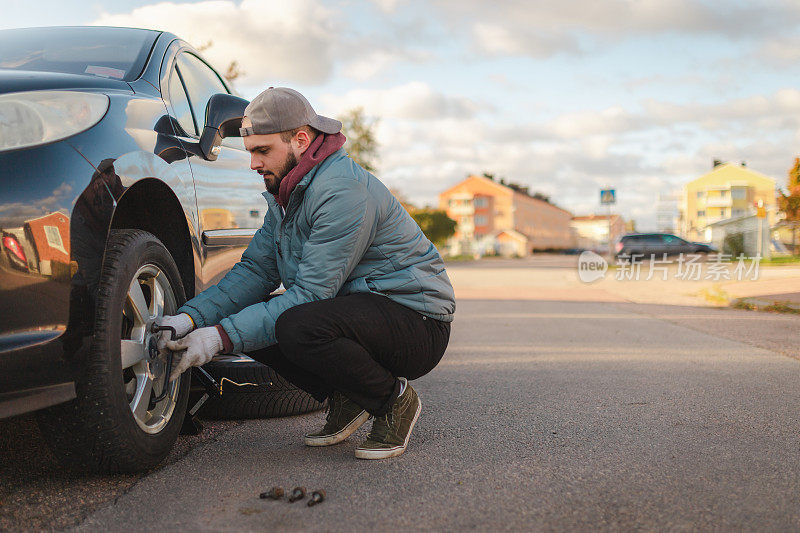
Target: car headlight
{"type": "Point", "coordinates": [40, 117]}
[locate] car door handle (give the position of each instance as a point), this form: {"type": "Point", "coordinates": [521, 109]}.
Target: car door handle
{"type": "Point", "coordinates": [229, 237]}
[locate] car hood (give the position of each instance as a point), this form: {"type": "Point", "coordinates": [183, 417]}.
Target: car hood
{"type": "Point", "coordinates": [12, 81]}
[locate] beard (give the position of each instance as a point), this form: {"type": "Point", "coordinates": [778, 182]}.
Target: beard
{"type": "Point", "coordinates": [274, 185]}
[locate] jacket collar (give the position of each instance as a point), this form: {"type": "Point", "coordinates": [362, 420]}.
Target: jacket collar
{"type": "Point", "coordinates": [301, 186]}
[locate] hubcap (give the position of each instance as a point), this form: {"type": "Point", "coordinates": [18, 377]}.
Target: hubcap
{"type": "Point", "coordinates": [145, 374]}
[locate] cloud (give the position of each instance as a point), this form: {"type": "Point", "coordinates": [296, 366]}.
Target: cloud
{"type": "Point", "coordinates": [580, 124]}
{"type": "Point", "coordinates": [378, 60]}
{"type": "Point", "coordinates": [518, 27]}
{"type": "Point", "coordinates": [780, 110]}
{"type": "Point", "coordinates": [505, 39]}
{"type": "Point", "coordinates": [776, 112]}
{"type": "Point", "coordinates": [387, 6]}
{"type": "Point", "coordinates": [14, 214]}
{"type": "Point", "coordinates": [271, 39]}
{"type": "Point", "coordinates": [781, 51]}
{"type": "Point", "coordinates": [412, 101]}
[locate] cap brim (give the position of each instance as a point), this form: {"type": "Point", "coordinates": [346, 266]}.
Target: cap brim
{"type": "Point", "coordinates": [327, 125]}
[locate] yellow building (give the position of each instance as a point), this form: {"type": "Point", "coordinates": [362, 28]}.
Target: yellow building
{"type": "Point", "coordinates": [728, 191]}
{"type": "Point", "coordinates": [484, 208]}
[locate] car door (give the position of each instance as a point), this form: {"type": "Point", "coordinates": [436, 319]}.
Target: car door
{"type": "Point", "coordinates": [675, 245]}
{"type": "Point", "coordinates": [653, 245]}
{"type": "Point", "coordinates": [229, 202]}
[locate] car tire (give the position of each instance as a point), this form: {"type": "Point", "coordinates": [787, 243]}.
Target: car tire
{"type": "Point", "coordinates": [114, 424]}
{"type": "Point", "coordinates": [253, 390]}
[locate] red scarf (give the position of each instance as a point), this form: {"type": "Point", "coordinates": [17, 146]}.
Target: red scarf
{"type": "Point", "coordinates": [324, 145]}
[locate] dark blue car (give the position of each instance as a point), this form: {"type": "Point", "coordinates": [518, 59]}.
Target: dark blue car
{"type": "Point", "coordinates": [644, 245]}
{"type": "Point", "coordinates": [124, 191]}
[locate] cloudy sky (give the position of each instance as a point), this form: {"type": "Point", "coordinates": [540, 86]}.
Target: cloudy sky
{"type": "Point", "coordinates": [566, 97]}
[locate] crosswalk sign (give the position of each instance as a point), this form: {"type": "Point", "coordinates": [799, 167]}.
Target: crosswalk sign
{"type": "Point", "coordinates": [608, 196]}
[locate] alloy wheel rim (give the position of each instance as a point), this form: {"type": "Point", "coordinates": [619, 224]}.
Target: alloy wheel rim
{"type": "Point", "coordinates": [149, 296]}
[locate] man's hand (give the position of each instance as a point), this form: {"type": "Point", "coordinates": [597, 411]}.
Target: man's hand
{"type": "Point", "coordinates": [198, 347]}
{"type": "Point", "coordinates": [182, 323]}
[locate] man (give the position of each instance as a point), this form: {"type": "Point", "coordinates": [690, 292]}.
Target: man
{"type": "Point", "coordinates": [368, 303]}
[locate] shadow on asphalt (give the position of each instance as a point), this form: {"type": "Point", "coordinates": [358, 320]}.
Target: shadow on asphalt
{"type": "Point", "coordinates": [37, 493]}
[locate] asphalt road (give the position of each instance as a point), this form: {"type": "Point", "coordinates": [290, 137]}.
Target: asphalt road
{"type": "Point", "coordinates": [544, 414]}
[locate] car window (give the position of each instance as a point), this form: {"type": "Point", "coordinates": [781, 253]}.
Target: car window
{"type": "Point", "coordinates": [651, 239]}
{"type": "Point", "coordinates": [201, 83]}
{"type": "Point", "coordinates": [116, 53]}
{"type": "Point", "coordinates": [180, 104]}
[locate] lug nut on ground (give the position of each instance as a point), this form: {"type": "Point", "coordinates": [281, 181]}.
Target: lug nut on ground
{"type": "Point", "coordinates": [275, 493]}
{"type": "Point", "coordinates": [298, 493]}
{"type": "Point", "coordinates": [318, 496]}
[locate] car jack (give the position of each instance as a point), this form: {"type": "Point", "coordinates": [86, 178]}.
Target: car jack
{"type": "Point", "coordinates": [191, 424]}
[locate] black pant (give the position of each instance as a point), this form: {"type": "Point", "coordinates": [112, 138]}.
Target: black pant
{"type": "Point", "coordinates": [358, 345]}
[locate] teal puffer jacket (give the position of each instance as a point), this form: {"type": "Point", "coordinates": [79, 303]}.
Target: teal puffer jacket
{"type": "Point", "coordinates": [343, 233]}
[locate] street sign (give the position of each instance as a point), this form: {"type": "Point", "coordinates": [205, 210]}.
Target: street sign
{"type": "Point", "coordinates": [608, 196]}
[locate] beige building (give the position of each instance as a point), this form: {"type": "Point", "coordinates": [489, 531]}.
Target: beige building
{"type": "Point", "coordinates": [728, 191]}
{"type": "Point", "coordinates": [483, 209]}
{"type": "Point", "coordinates": [592, 231]}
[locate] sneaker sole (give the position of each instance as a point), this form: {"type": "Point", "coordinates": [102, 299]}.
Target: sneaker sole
{"type": "Point", "coordinates": [385, 453]}
{"type": "Point", "coordinates": [336, 438]}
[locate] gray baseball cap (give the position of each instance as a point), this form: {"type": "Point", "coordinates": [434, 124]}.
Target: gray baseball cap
{"type": "Point", "coordinates": [282, 109]}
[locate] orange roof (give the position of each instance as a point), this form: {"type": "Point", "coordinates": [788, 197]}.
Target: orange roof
{"type": "Point", "coordinates": [483, 180]}
{"type": "Point", "coordinates": [503, 189]}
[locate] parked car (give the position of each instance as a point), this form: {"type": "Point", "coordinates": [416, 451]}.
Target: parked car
{"type": "Point", "coordinates": [659, 244]}
{"type": "Point", "coordinates": [125, 191]}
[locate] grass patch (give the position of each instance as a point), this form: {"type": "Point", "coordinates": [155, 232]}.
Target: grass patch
{"type": "Point", "coordinates": [741, 304]}
{"type": "Point", "coordinates": [780, 307]}
{"type": "Point", "coordinates": [459, 258]}
{"type": "Point", "coordinates": [774, 307]}
{"type": "Point", "coordinates": [781, 260]}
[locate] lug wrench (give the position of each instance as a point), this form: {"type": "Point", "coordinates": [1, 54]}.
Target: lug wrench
{"type": "Point", "coordinates": [209, 383]}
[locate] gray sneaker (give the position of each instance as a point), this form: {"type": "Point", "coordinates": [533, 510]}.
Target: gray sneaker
{"type": "Point", "coordinates": [343, 418]}
{"type": "Point", "coordinates": [390, 432]}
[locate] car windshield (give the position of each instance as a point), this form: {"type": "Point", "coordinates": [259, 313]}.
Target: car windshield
{"type": "Point", "coordinates": [118, 53]}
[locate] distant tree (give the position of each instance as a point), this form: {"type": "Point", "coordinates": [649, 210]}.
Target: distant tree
{"type": "Point", "coordinates": [202, 47]}
{"type": "Point", "coordinates": [789, 204]}
{"type": "Point", "coordinates": [361, 144]}
{"type": "Point", "coordinates": [488, 175]}
{"type": "Point", "coordinates": [233, 71]}
{"type": "Point", "coordinates": [435, 224]}
{"type": "Point", "coordinates": [403, 199]}
{"type": "Point", "coordinates": [541, 196]}
{"type": "Point", "coordinates": [524, 189]}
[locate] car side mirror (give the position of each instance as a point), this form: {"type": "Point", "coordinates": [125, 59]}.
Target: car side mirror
{"type": "Point", "coordinates": [224, 113]}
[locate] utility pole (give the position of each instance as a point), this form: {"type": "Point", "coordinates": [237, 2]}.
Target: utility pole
{"type": "Point", "coordinates": [608, 197]}
{"type": "Point", "coordinates": [761, 213]}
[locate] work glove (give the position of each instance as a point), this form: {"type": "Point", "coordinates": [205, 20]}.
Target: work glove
{"type": "Point", "coordinates": [195, 349]}
{"type": "Point", "coordinates": [182, 323]}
